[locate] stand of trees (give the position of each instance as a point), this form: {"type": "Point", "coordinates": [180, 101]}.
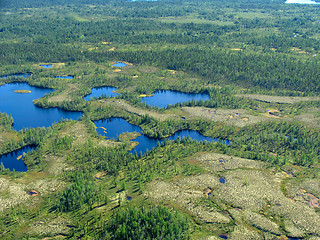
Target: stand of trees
{"type": "Point", "coordinates": [148, 223]}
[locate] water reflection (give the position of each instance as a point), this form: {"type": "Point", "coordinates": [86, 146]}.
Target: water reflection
{"type": "Point", "coordinates": [163, 98]}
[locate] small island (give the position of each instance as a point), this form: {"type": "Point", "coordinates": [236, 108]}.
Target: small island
{"type": "Point", "coordinates": [146, 95]}
{"type": "Point", "coordinates": [22, 91]}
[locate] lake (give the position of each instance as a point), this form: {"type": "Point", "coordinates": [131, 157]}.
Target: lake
{"type": "Point", "coordinates": [46, 65]}
{"type": "Point", "coordinates": [301, 2]}
{"type": "Point", "coordinates": [100, 91]}
{"type": "Point", "coordinates": [163, 98]}
{"type": "Point", "coordinates": [24, 112]}
{"type": "Point", "coordinates": [119, 64]}
{"type": "Point", "coordinates": [10, 160]}
{"type": "Point", "coordinates": [111, 128]}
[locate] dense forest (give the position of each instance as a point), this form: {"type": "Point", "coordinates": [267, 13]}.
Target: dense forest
{"type": "Point", "coordinates": [258, 62]}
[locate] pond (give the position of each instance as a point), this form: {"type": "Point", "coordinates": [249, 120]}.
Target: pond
{"type": "Point", "coordinates": [111, 128]}
{"type": "Point", "coordinates": [65, 77]}
{"type": "Point", "coordinates": [223, 236]}
{"type": "Point", "coordinates": [100, 91]}
{"type": "Point", "coordinates": [222, 180]}
{"type": "Point", "coordinates": [14, 160]}
{"type": "Point", "coordinates": [163, 98]}
{"type": "Point", "coordinates": [25, 114]}
{"type": "Point", "coordinates": [301, 2]}
{"type": "Point", "coordinates": [46, 65]}
{"type": "Point", "coordinates": [119, 64]}
{"type": "Point", "coordinates": [23, 75]}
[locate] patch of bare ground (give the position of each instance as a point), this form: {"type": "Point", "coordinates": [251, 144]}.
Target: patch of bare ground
{"type": "Point", "coordinates": [64, 95]}
{"type": "Point", "coordinates": [277, 99]}
{"type": "Point", "coordinates": [252, 195]}
{"type": "Point", "coordinates": [234, 117]}
{"type": "Point", "coordinates": [13, 192]}
{"type": "Point", "coordinates": [309, 119]}
{"type": "Point", "coordinates": [127, 107]}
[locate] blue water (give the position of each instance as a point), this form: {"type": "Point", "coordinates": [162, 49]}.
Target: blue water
{"type": "Point", "coordinates": [301, 2]}
{"type": "Point", "coordinates": [23, 75]}
{"type": "Point", "coordinates": [46, 65]}
{"type": "Point", "coordinates": [10, 161]}
{"type": "Point", "coordinates": [99, 91]}
{"type": "Point", "coordinates": [223, 236]}
{"type": "Point", "coordinates": [24, 112]}
{"type": "Point", "coordinates": [142, 0]}
{"type": "Point", "coordinates": [65, 77]}
{"type": "Point", "coordinates": [163, 98]}
{"type": "Point", "coordinates": [222, 180]}
{"type": "Point", "coordinates": [119, 64]}
{"type": "Point", "coordinates": [116, 126]}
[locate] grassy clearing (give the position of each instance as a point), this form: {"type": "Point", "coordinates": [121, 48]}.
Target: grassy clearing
{"type": "Point", "coordinates": [65, 94]}
{"type": "Point", "coordinates": [127, 107]}
{"type": "Point", "coordinates": [6, 135]}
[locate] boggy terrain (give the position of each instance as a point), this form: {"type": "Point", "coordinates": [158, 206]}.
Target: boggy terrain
{"type": "Point", "coordinates": [258, 62]}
